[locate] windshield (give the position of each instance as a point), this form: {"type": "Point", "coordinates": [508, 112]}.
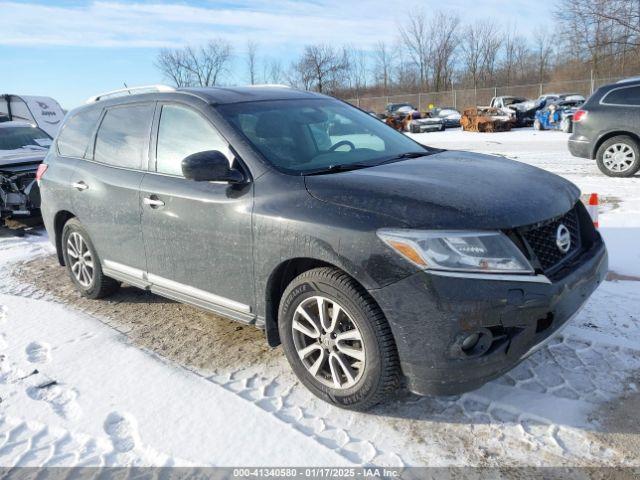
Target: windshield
{"type": "Point", "coordinates": [31, 138]}
{"type": "Point", "coordinates": [305, 136]}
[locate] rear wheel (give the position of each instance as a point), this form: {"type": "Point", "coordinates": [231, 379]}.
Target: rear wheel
{"type": "Point", "coordinates": [619, 157]}
{"type": "Point", "coordinates": [83, 263]}
{"type": "Point", "coordinates": [337, 340]}
{"type": "Point", "coordinates": [567, 125]}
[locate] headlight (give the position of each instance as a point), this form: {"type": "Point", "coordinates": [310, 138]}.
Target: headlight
{"type": "Point", "coordinates": [455, 250]}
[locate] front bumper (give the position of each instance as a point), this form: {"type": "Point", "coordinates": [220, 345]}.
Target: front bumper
{"type": "Point", "coordinates": [430, 315]}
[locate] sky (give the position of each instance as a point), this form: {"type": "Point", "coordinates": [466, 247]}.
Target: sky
{"type": "Point", "coordinates": [71, 50]}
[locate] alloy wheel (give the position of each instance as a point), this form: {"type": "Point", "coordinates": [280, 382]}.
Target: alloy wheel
{"type": "Point", "coordinates": [328, 342]}
{"type": "Point", "coordinates": [80, 258]}
{"type": "Point", "coordinates": [619, 157]}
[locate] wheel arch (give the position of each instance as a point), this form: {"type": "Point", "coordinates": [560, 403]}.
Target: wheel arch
{"type": "Point", "coordinates": [606, 136]}
{"type": "Point", "coordinates": [59, 221]}
{"type": "Point", "coordinates": [280, 277]}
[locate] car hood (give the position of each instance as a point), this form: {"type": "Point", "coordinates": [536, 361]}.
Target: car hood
{"type": "Point", "coordinates": [9, 158]}
{"type": "Point", "coordinates": [451, 189]}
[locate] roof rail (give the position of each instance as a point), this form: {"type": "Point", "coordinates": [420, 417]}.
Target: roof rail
{"type": "Point", "coordinates": [270, 85]}
{"type": "Point", "coordinates": [130, 91]}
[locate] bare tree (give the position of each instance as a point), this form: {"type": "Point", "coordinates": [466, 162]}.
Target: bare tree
{"type": "Point", "coordinates": [356, 68]}
{"type": "Point", "coordinates": [415, 36]}
{"type": "Point", "coordinates": [383, 64]}
{"type": "Point", "coordinates": [171, 64]}
{"type": "Point", "coordinates": [203, 66]}
{"type": "Point", "coordinates": [321, 68]}
{"type": "Point", "coordinates": [443, 44]}
{"type": "Point", "coordinates": [472, 52]}
{"type": "Point", "coordinates": [252, 51]}
{"type": "Point", "coordinates": [272, 71]}
{"type": "Point", "coordinates": [515, 53]}
{"type": "Point", "coordinates": [543, 51]}
{"type": "Point", "coordinates": [602, 34]}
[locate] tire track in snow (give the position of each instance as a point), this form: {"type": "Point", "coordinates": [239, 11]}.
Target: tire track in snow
{"type": "Point", "coordinates": [452, 430]}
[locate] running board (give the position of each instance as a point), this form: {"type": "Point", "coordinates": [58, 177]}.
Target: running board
{"type": "Point", "coordinates": [181, 293]}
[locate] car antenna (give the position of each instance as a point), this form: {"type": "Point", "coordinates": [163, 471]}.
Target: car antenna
{"type": "Point", "coordinates": [127, 87]}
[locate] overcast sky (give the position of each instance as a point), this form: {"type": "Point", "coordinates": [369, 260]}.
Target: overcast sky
{"type": "Point", "coordinates": [71, 50]}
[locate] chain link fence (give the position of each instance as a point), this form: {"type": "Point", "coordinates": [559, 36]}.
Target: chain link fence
{"type": "Point", "coordinates": [464, 98]}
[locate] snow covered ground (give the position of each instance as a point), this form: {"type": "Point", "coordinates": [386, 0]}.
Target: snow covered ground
{"type": "Point", "coordinates": [137, 380]}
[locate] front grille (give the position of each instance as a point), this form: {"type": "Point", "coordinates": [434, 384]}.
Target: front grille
{"type": "Point", "coordinates": [542, 240]}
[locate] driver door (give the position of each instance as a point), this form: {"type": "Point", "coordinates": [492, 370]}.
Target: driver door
{"type": "Point", "coordinates": [197, 235]}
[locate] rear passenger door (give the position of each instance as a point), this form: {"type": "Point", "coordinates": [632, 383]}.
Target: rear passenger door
{"type": "Point", "coordinates": [197, 234]}
{"type": "Point", "coordinates": [106, 186]}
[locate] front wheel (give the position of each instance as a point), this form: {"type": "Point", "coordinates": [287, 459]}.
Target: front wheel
{"type": "Point", "coordinates": [619, 157]}
{"type": "Point", "coordinates": [337, 340]}
{"type": "Point", "coordinates": [83, 263]}
{"type": "Point", "coordinates": [537, 125]}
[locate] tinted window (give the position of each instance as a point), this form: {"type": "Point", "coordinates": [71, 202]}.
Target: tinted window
{"type": "Point", "coordinates": [181, 133]}
{"type": "Point", "coordinates": [77, 132]}
{"type": "Point", "coordinates": [123, 137]}
{"type": "Point", "coordinates": [623, 96]}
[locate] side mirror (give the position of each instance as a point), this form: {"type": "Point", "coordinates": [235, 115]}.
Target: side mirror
{"type": "Point", "coordinates": [210, 166]}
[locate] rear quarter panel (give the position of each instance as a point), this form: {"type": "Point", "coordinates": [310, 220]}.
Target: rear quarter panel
{"type": "Point", "coordinates": [55, 189]}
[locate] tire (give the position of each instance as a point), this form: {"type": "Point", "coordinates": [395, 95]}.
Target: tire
{"type": "Point", "coordinates": [619, 157]}
{"type": "Point", "coordinates": [537, 125]}
{"type": "Point", "coordinates": [374, 375]}
{"type": "Point", "coordinates": [88, 276]}
{"type": "Point", "coordinates": [567, 125]}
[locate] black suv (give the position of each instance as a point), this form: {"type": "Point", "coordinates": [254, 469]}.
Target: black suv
{"type": "Point", "coordinates": [373, 260]}
{"type": "Point", "coordinates": [607, 129]}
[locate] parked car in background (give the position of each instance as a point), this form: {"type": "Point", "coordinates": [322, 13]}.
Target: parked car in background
{"type": "Point", "coordinates": [557, 115]}
{"type": "Point", "coordinates": [399, 108]}
{"type": "Point", "coordinates": [521, 109]}
{"type": "Point", "coordinates": [375, 261]}
{"type": "Point", "coordinates": [43, 112]}
{"type": "Point", "coordinates": [23, 147]}
{"type": "Point", "coordinates": [547, 98]}
{"type": "Point", "coordinates": [450, 116]}
{"type": "Point", "coordinates": [607, 128]}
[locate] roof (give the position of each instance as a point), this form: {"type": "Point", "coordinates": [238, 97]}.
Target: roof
{"type": "Point", "coordinates": [629, 80]}
{"type": "Point", "coordinates": [222, 95]}
{"type": "Point", "coordinates": [16, 123]}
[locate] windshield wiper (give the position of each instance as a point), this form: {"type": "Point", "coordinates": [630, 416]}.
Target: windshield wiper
{"type": "Point", "coordinates": [402, 156]}
{"type": "Point", "coordinates": [345, 167]}
{"type": "Point", "coordinates": [340, 167]}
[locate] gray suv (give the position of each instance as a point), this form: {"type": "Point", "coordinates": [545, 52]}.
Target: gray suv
{"type": "Point", "coordinates": [375, 261]}
{"type": "Point", "coordinates": [607, 129]}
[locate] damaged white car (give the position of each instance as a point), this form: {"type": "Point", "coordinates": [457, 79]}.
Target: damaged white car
{"type": "Point", "coordinates": [23, 147]}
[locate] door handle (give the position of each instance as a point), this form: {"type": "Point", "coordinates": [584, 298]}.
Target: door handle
{"type": "Point", "coordinates": [80, 185]}
{"type": "Point", "coordinates": [153, 201]}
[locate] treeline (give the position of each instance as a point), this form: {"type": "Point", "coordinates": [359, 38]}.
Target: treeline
{"type": "Point", "coordinates": [436, 51]}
